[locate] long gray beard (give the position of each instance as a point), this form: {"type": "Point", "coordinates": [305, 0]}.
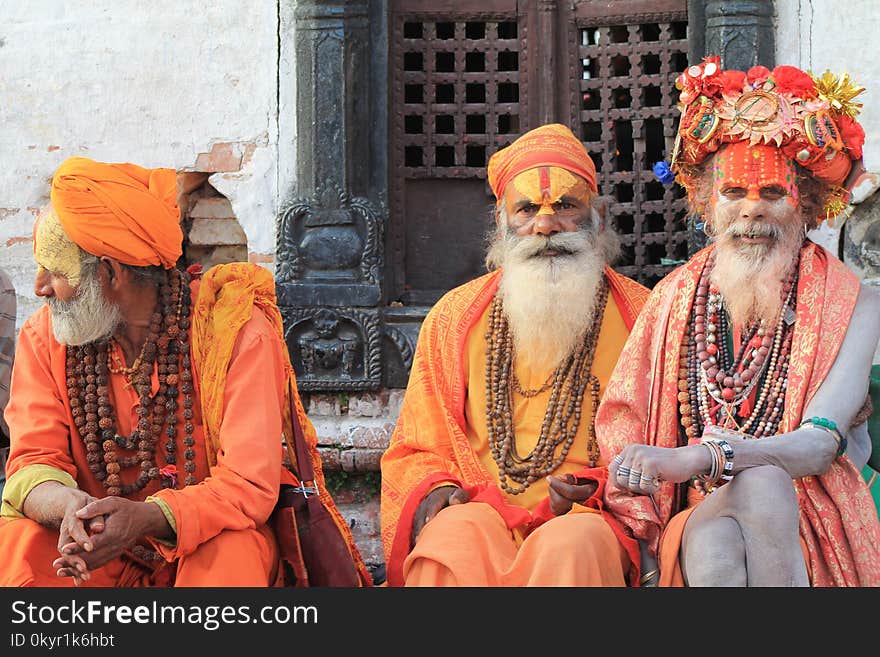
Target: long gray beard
{"type": "Point", "coordinates": [86, 318]}
{"type": "Point", "coordinates": [549, 301]}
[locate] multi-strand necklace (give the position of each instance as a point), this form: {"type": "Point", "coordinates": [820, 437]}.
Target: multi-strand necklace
{"type": "Point", "coordinates": [739, 389]}
{"type": "Point", "coordinates": [167, 347]}
{"type": "Point", "coordinates": [563, 416]}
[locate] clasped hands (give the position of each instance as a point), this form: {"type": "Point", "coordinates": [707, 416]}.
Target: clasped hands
{"type": "Point", "coordinates": [564, 491]}
{"type": "Point", "coordinates": [95, 531]}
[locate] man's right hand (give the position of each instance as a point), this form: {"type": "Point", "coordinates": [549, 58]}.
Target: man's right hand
{"type": "Point", "coordinates": [434, 502]}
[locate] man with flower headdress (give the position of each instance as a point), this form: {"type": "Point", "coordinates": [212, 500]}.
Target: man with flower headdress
{"type": "Point", "coordinates": [146, 409]}
{"type": "Point", "coordinates": [735, 416]}
{"type": "Point", "coordinates": [492, 477]}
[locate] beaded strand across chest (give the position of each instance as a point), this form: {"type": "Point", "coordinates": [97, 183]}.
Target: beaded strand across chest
{"type": "Point", "coordinates": [743, 389]}
{"type": "Point", "coordinates": [563, 416]}
{"type": "Point", "coordinates": [88, 368]}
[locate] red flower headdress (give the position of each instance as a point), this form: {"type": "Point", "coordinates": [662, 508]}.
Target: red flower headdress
{"type": "Point", "coordinates": [811, 119]}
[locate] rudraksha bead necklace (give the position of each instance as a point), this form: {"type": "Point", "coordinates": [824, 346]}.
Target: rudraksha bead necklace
{"type": "Point", "coordinates": [88, 387]}
{"type": "Point", "coordinates": [563, 415]}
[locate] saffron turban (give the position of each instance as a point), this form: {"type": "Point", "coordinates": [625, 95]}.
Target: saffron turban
{"type": "Point", "coordinates": [551, 145]}
{"type": "Point", "coordinates": [122, 211]}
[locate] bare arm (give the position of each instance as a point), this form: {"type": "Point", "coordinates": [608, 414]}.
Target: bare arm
{"type": "Point", "coordinates": [810, 451]}
{"type": "Point", "coordinates": [804, 451]}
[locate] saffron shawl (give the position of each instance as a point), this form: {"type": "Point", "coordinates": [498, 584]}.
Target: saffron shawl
{"type": "Point", "coordinates": [227, 296]}
{"type": "Point", "coordinates": [429, 444]}
{"type": "Point", "coordinates": [838, 520]}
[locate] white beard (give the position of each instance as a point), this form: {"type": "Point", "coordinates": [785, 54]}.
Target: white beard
{"type": "Point", "coordinates": [86, 318]}
{"type": "Point", "coordinates": [549, 301]}
{"type": "Point", "coordinates": [750, 277]}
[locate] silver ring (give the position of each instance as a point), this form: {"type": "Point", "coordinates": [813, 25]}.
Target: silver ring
{"type": "Point", "coordinates": [618, 459]}
{"type": "Point", "coordinates": [635, 477]}
{"type": "Point", "coordinates": [655, 480]}
{"type": "Point", "coordinates": [623, 471]}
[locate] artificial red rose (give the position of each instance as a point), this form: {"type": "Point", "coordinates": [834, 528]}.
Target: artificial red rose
{"type": "Point", "coordinates": [853, 135]}
{"type": "Point", "coordinates": [792, 80]}
{"type": "Point", "coordinates": [733, 82]}
{"type": "Point", "coordinates": [758, 75]}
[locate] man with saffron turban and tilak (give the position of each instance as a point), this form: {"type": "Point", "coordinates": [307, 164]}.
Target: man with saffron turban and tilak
{"type": "Point", "coordinates": [492, 476]}
{"type": "Point", "coordinates": [735, 419]}
{"type": "Point", "coordinates": [147, 409]}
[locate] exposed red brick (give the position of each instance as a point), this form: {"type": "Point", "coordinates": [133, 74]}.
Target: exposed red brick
{"type": "Point", "coordinates": [222, 157]}
{"type": "Point", "coordinates": [18, 240]}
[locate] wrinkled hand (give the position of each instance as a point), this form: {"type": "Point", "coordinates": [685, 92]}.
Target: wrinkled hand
{"type": "Point", "coordinates": [77, 531]}
{"type": "Point", "coordinates": [433, 503]}
{"type": "Point", "coordinates": [640, 468]}
{"type": "Point", "coordinates": [124, 523]}
{"type": "Point", "coordinates": [565, 491]}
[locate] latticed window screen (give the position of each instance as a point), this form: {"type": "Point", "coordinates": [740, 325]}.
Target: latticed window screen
{"type": "Point", "coordinates": [627, 122]}
{"type": "Point", "coordinates": [455, 95]}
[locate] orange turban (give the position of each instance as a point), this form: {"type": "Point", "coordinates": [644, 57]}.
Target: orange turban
{"type": "Point", "coordinates": [119, 210]}
{"type": "Point", "coordinates": [551, 145]}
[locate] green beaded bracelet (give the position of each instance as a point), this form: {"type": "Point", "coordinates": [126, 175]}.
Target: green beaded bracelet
{"type": "Point", "coordinates": [831, 427]}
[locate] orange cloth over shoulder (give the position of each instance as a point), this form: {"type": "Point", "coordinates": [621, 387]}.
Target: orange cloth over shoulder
{"type": "Point", "coordinates": [551, 145]}
{"type": "Point", "coordinates": [838, 521]}
{"type": "Point", "coordinates": [430, 443]}
{"type": "Point", "coordinates": [123, 211]}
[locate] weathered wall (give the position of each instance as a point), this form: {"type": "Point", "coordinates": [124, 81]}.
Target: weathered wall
{"type": "Point", "coordinates": [188, 84]}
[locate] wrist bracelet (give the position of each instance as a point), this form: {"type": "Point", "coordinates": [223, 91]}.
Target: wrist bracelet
{"type": "Point", "coordinates": [831, 427]}
{"type": "Point", "coordinates": [726, 465]}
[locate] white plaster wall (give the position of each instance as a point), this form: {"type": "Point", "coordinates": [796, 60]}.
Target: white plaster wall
{"type": "Point", "coordinates": [153, 83]}
{"type": "Point", "coordinates": [816, 35]}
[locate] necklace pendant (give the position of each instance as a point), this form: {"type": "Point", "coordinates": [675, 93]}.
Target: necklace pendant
{"type": "Point", "coordinates": [788, 315]}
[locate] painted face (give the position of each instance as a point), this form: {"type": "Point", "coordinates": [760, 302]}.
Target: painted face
{"type": "Point", "coordinates": [758, 172]}
{"type": "Point", "coordinates": [54, 251]}
{"type": "Point", "coordinates": [546, 200]}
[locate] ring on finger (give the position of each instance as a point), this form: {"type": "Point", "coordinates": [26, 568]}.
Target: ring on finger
{"type": "Point", "coordinates": [635, 477]}
{"type": "Point", "coordinates": [645, 479]}
{"type": "Point", "coordinates": [623, 471]}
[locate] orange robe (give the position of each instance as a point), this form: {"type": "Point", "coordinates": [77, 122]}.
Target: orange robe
{"type": "Point", "coordinates": [838, 520]}
{"type": "Point", "coordinates": [436, 442]}
{"type": "Point", "coordinates": [240, 392]}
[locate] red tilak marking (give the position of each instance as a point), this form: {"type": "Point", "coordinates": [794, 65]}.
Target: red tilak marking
{"type": "Point", "coordinates": [544, 174]}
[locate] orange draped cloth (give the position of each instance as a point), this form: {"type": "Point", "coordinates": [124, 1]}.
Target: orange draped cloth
{"type": "Point", "coordinates": [123, 211]}
{"type": "Point", "coordinates": [838, 522]}
{"type": "Point", "coordinates": [240, 397]}
{"type": "Point", "coordinates": [430, 444]}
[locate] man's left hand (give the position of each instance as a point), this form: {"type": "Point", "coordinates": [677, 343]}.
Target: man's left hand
{"type": "Point", "coordinates": [125, 522]}
{"type": "Point", "coordinates": [565, 492]}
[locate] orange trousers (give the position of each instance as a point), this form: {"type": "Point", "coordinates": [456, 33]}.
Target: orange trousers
{"type": "Point", "coordinates": [247, 557]}
{"type": "Point", "coordinates": [470, 545]}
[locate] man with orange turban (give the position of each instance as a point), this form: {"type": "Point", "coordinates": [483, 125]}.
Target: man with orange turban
{"type": "Point", "coordinates": [492, 477]}
{"type": "Point", "coordinates": [735, 419]}
{"type": "Point", "coordinates": [146, 408]}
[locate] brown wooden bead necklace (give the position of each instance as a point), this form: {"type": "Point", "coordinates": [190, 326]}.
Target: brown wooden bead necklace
{"type": "Point", "coordinates": [88, 368]}
{"type": "Point", "coordinates": [567, 385]}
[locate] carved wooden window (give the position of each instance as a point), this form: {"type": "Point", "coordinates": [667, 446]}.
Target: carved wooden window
{"type": "Point", "coordinates": [455, 100]}
{"type": "Point", "coordinates": [627, 119]}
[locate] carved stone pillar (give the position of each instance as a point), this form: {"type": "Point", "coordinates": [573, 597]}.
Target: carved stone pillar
{"type": "Point", "coordinates": [330, 231]}
{"type": "Point", "coordinates": [741, 32]}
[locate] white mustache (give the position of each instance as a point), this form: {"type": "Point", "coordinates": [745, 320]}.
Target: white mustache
{"type": "Point", "coordinates": [533, 246]}
{"type": "Point", "coordinates": [752, 229]}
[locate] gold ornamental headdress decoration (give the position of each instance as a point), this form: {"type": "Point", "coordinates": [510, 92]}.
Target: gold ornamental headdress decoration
{"type": "Point", "coordinates": [812, 120]}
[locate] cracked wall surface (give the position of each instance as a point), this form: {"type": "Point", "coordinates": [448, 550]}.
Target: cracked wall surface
{"type": "Point", "coordinates": [189, 85]}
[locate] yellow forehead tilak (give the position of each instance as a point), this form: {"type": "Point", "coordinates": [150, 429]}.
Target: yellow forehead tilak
{"type": "Point", "coordinates": [543, 186]}
{"type": "Point", "coordinates": [54, 251]}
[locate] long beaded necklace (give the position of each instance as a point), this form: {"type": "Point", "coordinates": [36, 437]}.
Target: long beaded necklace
{"type": "Point", "coordinates": [715, 384]}
{"type": "Point", "coordinates": [88, 368]}
{"type": "Point", "coordinates": [563, 416]}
